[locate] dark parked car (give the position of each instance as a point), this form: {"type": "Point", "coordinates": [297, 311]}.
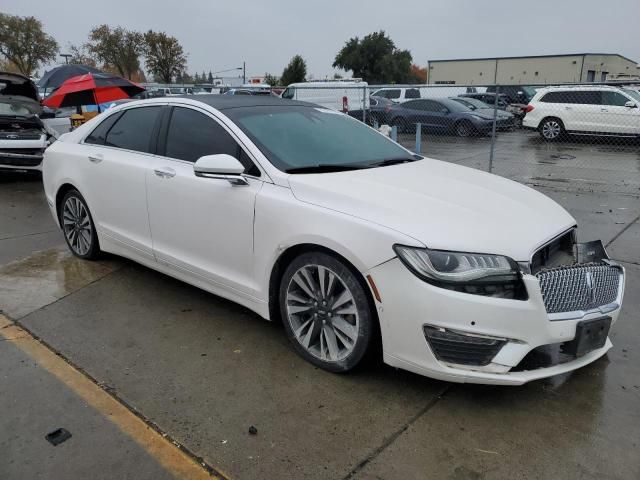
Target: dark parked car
{"type": "Point", "coordinates": [379, 108]}
{"type": "Point", "coordinates": [489, 98]}
{"type": "Point", "coordinates": [515, 93]}
{"type": "Point", "coordinates": [444, 115]}
{"type": "Point", "coordinates": [506, 120]}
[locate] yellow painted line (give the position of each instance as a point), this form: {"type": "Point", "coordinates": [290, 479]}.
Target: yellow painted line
{"type": "Point", "coordinates": [174, 460]}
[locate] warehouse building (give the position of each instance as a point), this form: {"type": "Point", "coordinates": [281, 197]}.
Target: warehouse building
{"type": "Point", "coordinates": [540, 69]}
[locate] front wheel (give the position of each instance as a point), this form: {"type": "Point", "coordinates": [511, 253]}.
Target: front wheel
{"type": "Point", "coordinates": [464, 129]}
{"type": "Point", "coordinates": [326, 312]}
{"type": "Point", "coordinates": [78, 227]}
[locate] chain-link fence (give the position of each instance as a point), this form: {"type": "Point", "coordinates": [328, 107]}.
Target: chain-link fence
{"type": "Point", "coordinates": [572, 137]}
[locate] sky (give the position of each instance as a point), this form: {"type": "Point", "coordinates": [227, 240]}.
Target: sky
{"type": "Point", "coordinates": [219, 35]}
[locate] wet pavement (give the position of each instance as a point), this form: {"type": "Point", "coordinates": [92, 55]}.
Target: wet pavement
{"type": "Point", "coordinates": [202, 371]}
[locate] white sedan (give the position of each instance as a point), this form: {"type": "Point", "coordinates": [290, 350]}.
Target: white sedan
{"type": "Point", "coordinates": [359, 246]}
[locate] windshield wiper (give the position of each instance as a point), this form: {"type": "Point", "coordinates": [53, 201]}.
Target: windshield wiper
{"type": "Point", "coordinates": [394, 161]}
{"type": "Point", "coordinates": [325, 168]}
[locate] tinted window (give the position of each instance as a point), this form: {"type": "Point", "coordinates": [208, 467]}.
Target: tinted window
{"type": "Point", "coordinates": [415, 105]}
{"type": "Point", "coordinates": [614, 99]}
{"type": "Point", "coordinates": [412, 93]}
{"type": "Point", "coordinates": [193, 135]}
{"type": "Point", "coordinates": [99, 134]}
{"type": "Point", "coordinates": [391, 93]}
{"type": "Point", "coordinates": [432, 106]}
{"type": "Point", "coordinates": [133, 130]}
{"type": "Point", "coordinates": [573, 97]}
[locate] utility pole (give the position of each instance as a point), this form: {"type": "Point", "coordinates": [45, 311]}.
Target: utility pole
{"type": "Point", "coordinates": [244, 72]}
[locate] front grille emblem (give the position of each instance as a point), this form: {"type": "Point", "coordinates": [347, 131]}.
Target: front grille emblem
{"type": "Point", "coordinates": [592, 291]}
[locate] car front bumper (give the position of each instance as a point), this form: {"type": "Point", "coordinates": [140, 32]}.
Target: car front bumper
{"type": "Point", "coordinates": [409, 304]}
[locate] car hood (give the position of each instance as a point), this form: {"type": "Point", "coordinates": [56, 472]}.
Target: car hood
{"type": "Point", "coordinates": [18, 96]}
{"type": "Point", "coordinates": [442, 205]}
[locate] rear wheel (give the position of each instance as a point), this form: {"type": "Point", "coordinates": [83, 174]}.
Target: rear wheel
{"type": "Point", "coordinates": [77, 226]}
{"type": "Point", "coordinates": [464, 128]}
{"type": "Point", "coordinates": [326, 312]}
{"type": "Point", "coordinates": [551, 129]}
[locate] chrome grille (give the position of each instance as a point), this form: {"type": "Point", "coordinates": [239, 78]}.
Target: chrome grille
{"type": "Point", "coordinates": [579, 287]}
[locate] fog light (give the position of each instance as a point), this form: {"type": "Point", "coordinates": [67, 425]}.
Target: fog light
{"type": "Point", "coordinates": [454, 347]}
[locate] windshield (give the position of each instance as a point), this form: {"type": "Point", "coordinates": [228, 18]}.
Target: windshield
{"type": "Point", "coordinates": [632, 93]}
{"type": "Point", "coordinates": [530, 91]}
{"type": "Point", "coordinates": [293, 137]}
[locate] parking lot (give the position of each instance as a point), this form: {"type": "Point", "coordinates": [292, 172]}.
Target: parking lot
{"type": "Point", "coordinates": [154, 378]}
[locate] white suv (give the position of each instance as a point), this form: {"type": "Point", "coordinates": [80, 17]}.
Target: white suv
{"type": "Point", "coordinates": [584, 110]}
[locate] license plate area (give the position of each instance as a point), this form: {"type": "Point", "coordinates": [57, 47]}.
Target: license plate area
{"type": "Point", "coordinates": [590, 335]}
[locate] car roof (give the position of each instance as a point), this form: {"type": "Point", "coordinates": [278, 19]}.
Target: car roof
{"type": "Point", "coordinates": [574, 88]}
{"type": "Point", "coordinates": [224, 102]}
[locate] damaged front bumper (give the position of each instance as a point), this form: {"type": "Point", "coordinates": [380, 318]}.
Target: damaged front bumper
{"type": "Point", "coordinates": [462, 337]}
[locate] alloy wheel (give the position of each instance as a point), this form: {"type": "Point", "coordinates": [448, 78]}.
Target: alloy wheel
{"type": "Point", "coordinates": [322, 313]}
{"type": "Point", "coordinates": [551, 129]}
{"type": "Point", "coordinates": [76, 224]}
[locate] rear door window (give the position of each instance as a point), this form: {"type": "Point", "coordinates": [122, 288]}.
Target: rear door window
{"type": "Point", "coordinates": [99, 134]}
{"type": "Point", "coordinates": [134, 129]}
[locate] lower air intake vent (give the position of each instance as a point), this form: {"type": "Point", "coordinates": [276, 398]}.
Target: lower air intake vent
{"type": "Point", "coordinates": [463, 349]}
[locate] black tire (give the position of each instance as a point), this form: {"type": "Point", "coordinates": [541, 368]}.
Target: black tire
{"type": "Point", "coordinates": [464, 128]}
{"type": "Point", "coordinates": [81, 236]}
{"type": "Point", "coordinates": [362, 325]}
{"type": "Point", "coordinates": [551, 129]}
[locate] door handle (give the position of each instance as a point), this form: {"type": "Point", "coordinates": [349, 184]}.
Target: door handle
{"type": "Point", "coordinates": [96, 157]}
{"type": "Point", "coordinates": [165, 172]}
{"type": "Point", "coordinates": [604, 110]}
{"type": "Point", "coordinates": [568, 108]}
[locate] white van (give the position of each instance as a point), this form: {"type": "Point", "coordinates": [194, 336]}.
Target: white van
{"type": "Point", "coordinates": [342, 95]}
{"type": "Point", "coordinates": [402, 94]}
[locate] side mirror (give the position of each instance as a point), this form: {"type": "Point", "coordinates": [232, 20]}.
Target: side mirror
{"type": "Point", "coordinates": [630, 104]}
{"type": "Point", "coordinates": [221, 167]}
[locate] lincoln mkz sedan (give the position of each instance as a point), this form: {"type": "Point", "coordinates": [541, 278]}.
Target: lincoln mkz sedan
{"type": "Point", "coordinates": [358, 245]}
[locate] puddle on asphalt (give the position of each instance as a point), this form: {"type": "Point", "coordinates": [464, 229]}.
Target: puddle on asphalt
{"type": "Point", "coordinates": [44, 277]}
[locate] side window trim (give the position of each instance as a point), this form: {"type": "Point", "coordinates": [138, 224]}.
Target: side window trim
{"type": "Point", "coordinates": [165, 132]}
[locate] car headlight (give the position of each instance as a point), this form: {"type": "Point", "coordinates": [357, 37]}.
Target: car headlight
{"type": "Point", "coordinates": [477, 273]}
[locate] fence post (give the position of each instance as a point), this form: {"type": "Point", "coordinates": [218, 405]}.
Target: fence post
{"type": "Point", "coordinates": [418, 137]}
{"type": "Point", "coordinates": [394, 133]}
{"type": "Point", "coordinates": [364, 105]}
{"type": "Point", "coordinates": [493, 128]}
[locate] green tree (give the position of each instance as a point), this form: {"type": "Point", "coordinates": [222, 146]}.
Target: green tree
{"type": "Point", "coordinates": [117, 48]}
{"type": "Point", "coordinates": [210, 77]}
{"type": "Point", "coordinates": [375, 59]}
{"type": "Point", "coordinates": [295, 72]}
{"type": "Point", "coordinates": [164, 55]}
{"type": "Point", "coordinates": [24, 44]}
{"type": "Point", "coordinates": [271, 80]}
